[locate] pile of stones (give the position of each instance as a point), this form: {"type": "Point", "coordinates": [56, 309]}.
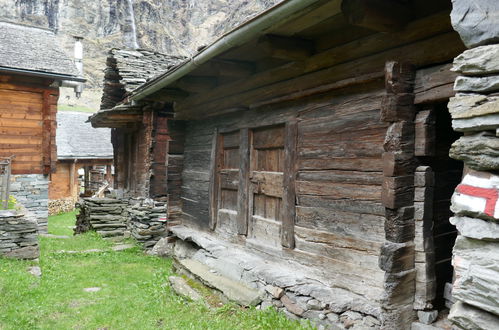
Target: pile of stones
{"type": "Point", "coordinates": [107, 216]}
{"type": "Point", "coordinates": [148, 222]}
{"type": "Point", "coordinates": [18, 235]}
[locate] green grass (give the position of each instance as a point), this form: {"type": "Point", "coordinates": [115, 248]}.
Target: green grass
{"type": "Point", "coordinates": [77, 108]}
{"type": "Point", "coordinates": [134, 291]}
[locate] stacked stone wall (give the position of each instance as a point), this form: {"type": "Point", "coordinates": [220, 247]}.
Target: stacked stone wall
{"type": "Point", "coordinates": [148, 222]}
{"type": "Point", "coordinates": [32, 191]}
{"type": "Point", "coordinates": [107, 216]}
{"type": "Point", "coordinates": [475, 113]}
{"type": "Point", "coordinates": [142, 219]}
{"type": "Point", "coordinates": [18, 235]}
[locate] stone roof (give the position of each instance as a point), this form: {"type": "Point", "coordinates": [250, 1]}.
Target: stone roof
{"type": "Point", "coordinates": [76, 138]}
{"type": "Point", "coordinates": [34, 49]}
{"type": "Point", "coordinates": [127, 69]}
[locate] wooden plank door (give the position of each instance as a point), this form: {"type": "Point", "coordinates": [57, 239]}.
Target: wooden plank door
{"type": "Point", "coordinates": [266, 185]}
{"type": "Point", "coordinates": [228, 173]}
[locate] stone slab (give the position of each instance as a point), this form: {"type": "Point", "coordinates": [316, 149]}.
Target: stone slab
{"type": "Point", "coordinates": [476, 228]}
{"type": "Point", "coordinates": [234, 291]}
{"type": "Point", "coordinates": [477, 84]}
{"type": "Point", "coordinates": [470, 318]}
{"type": "Point", "coordinates": [479, 152]}
{"type": "Point", "coordinates": [476, 266]}
{"type": "Point", "coordinates": [180, 286]}
{"type": "Point", "coordinates": [464, 106]}
{"type": "Point", "coordinates": [478, 61]}
{"type": "Point", "coordinates": [476, 21]}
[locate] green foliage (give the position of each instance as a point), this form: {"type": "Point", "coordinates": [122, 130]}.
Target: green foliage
{"type": "Point", "coordinates": [11, 203]}
{"type": "Point", "coordinates": [134, 294]}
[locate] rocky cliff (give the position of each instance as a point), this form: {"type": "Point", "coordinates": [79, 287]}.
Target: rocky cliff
{"type": "Point", "coordinates": [176, 27]}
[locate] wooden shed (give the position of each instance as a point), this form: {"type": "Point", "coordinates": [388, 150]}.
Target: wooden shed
{"type": "Point", "coordinates": [79, 146]}
{"type": "Point", "coordinates": [316, 135]}
{"type": "Point", "coordinates": [32, 67]}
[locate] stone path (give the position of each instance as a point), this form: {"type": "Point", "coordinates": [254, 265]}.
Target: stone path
{"type": "Point", "coordinates": [119, 247]}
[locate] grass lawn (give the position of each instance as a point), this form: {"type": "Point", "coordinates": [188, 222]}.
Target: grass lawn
{"type": "Point", "coordinates": [134, 293]}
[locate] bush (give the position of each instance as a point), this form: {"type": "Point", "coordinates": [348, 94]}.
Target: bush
{"type": "Point", "coordinates": [10, 205]}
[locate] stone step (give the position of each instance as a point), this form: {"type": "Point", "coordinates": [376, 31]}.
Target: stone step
{"type": "Point", "coordinates": [234, 291]}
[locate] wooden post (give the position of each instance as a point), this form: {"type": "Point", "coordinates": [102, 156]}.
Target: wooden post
{"type": "Point", "coordinates": [86, 179]}
{"type": "Point", "coordinates": [72, 169]}
{"type": "Point", "coordinates": [243, 193]}
{"type": "Point", "coordinates": [215, 164]}
{"type": "Point", "coordinates": [109, 175]}
{"type": "Point", "coordinates": [289, 192]}
{"type": "Point", "coordinates": [46, 135]}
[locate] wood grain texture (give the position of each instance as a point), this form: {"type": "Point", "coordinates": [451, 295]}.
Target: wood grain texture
{"type": "Point", "coordinates": [289, 179]}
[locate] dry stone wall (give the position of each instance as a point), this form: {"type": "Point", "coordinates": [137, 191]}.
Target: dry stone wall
{"type": "Point", "coordinates": [475, 112]}
{"type": "Point", "coordinates": [107, 216]}
{"type": "Point", "coordinates": [142, 219]}
{"type": "Point", "coordinates": [32, 191]}
{"type": "Point", "coordinates": [18, 235]}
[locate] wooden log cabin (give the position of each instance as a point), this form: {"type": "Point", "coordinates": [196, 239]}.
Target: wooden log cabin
{"type": "Point", "coordinates": [138, 134]}
{"type": "Point", "coordinates": [79, 146]}
{"type": "Point", "coordinates": [32, 67]}
{"type": "Point", "coordinates": [316, 134]}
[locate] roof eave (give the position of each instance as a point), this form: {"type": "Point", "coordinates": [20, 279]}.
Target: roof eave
{"type": "Point", "coordinates": [42, 74]}
{"type": "Point", "coordinates": [234, 38]}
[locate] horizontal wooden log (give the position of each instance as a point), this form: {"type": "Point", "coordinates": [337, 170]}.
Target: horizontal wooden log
{"type": "Point", "coordinates": [398, 163]}
{"type": "Point", "coordinates": [398, 191]}
{"type": "Point", "coordinates": [339, 190]}
{"type": "Point", "coordinates": [450, 43]}
{"type": "Point", "coordinates": [342, 205]}
{"type": "Point", "coordinates": [352, 177]}
{"type": "Point", "coordinates": [337, 163]}
{"type": "Point", "coordinates": [377, 15]}
{"type": "Point", "coordinates": [343, 223]}
{"type": "Point", "coordinates": [434, 84]}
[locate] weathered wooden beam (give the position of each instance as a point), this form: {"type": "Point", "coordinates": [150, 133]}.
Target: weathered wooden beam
{"type": "Point", "coordinates": [357, 49]}
{"type": "Point", "coordinates": [286, 48]}
{"type": "Point", "coordinates": [215, 165]}
{"type": "Point", "coordinates": [46, 140]}
{"type": "Point", "coordinates": [197, 84]}
{"type": "Point", "coordinates": [378, 15]}
{"type": "Point", "coordinates": [398, 103]}
{"type": "Point", "coordinates": [227, 68]}
{"type": "Point", "coordinates": [168, 95]}
{"type": "Point", "coordinates": [243, 188]}
{"type": "Point", "coordinates": [289, 179]}
{"type": "Point", "coordinates": [425, 133]}
{"type": "Point", "coordinates": [290, 78]}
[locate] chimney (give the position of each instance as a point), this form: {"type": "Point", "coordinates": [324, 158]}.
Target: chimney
{"type": "Point", "coordinates": [78, 58]}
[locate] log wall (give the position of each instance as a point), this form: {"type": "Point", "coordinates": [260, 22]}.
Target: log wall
{"type": "Point", "coordinates": [60, 183]}
{"type": "Point", "coordinates": [28, 109]}
{"type": "Point", "coordinates": [339, 216]}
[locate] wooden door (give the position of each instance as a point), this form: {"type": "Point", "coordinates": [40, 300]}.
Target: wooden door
{"type": "Point", "coordinates": [228, 172]}
{"type": "Point", "coordinates": [266, 185]}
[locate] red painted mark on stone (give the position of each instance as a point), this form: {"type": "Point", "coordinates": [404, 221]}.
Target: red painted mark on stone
{"type": "Point", "coordinates": [491, 195]}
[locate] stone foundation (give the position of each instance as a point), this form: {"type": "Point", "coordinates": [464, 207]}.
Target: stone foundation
{"type": "Point", "coordinates": [145, 224]}
{"type": "Point", "coordinates": [289, 287]}
{"type": "Point", "coordinates": [32, 191]}
{"type": "Point", "coordinates": [18, 235]}
{"type": "Point", "coordinates": [63, 205]}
